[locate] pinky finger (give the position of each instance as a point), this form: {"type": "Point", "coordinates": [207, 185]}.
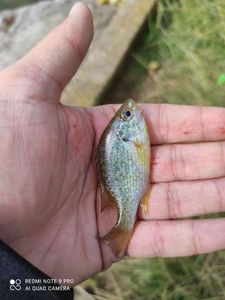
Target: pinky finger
{"type": "Point", "coordinates": [177, 238]}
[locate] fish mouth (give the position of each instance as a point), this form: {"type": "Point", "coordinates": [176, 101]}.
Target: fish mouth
{"type": "Point", "coordinates": [130, 103]}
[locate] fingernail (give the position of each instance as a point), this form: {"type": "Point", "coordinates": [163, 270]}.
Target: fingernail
{"type": "Point", "coordinates": [75, 7]}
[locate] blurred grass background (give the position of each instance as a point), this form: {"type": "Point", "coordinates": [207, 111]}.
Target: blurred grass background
{"type": "Point", "coordinates": [7, 4]}
{"type": "Point", "coordinates": [177, 59]}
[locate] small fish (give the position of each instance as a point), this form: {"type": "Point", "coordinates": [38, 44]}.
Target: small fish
{"type": "Point", "coordinates": [123, 164]}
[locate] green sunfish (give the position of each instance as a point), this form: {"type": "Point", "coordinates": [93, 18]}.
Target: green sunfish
{"type": "Point", "coordinates": [123, 164]}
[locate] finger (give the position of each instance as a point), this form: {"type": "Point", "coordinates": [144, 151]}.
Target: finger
{"type": "Point", "coordinates": [183, 123]}
{"type": "Point", "coordinates": [175, 123]}
{"type": "Point", "coordinates": [177, 238]}
{"type": "Point", "coordinates": [185, 199]}
{"type": "Point", "coordinates": [54, 61]}
{"type": "Point", "coordinates": [187, 161]}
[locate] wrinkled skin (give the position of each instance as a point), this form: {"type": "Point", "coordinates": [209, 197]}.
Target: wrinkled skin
{"type": "Point", "coordinates": [49, 204]}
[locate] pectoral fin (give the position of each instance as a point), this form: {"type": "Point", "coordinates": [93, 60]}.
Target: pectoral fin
{"type": "Point", "coordinates": [138, 146]}
{"type": "Point", "coordinates": [117, 239]}
{"type": "Point", "coordinates": [144, 202]}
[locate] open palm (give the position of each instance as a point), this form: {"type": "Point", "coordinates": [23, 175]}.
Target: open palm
{"type": "Point", "coordinates": [50, 204]}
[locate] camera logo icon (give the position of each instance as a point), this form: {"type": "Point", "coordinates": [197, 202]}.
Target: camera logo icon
{"type": "Point", "coordinates": [15, 284]}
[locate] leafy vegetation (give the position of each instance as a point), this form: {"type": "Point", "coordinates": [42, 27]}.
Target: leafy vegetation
{"type": "Point", "coordinates": [179, 58]}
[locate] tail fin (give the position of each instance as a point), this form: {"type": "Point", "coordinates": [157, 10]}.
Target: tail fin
{"type": "Point", "coordinates": [117, 239]}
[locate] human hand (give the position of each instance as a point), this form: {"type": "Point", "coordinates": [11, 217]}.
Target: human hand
{"type": "Point", "coordinates": [50, 205]}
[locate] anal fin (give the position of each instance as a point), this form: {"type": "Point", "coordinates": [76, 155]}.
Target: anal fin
{"type": "Point", "coordinates": [145, 202]}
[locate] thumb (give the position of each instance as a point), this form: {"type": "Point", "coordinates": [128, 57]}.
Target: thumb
{"type": "Point", "coordinates": [55, 60]}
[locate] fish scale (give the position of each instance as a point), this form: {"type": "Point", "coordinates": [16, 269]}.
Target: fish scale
{"type": "Point", "coordinates": [123, 160]}
{"type": "Point", "coordinates": [128, 179]}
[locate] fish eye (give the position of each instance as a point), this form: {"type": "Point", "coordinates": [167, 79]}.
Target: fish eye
{"type": "Point", "coordinates": [126, 115]}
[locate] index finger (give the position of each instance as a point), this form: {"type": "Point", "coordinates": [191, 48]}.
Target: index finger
{"type": "Point", "coordinates": [183, 123]}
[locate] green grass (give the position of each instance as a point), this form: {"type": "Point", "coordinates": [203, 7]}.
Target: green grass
{"type": "Point", "coordinates": [192, 52]}
{"type": "Point", "coordinates": [193, 278]}
{"type": "Point", "coordinates": [186, 39]}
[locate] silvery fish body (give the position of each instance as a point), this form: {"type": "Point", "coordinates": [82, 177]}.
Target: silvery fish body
{"type": "Point", "coordinates": [123, 162]}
